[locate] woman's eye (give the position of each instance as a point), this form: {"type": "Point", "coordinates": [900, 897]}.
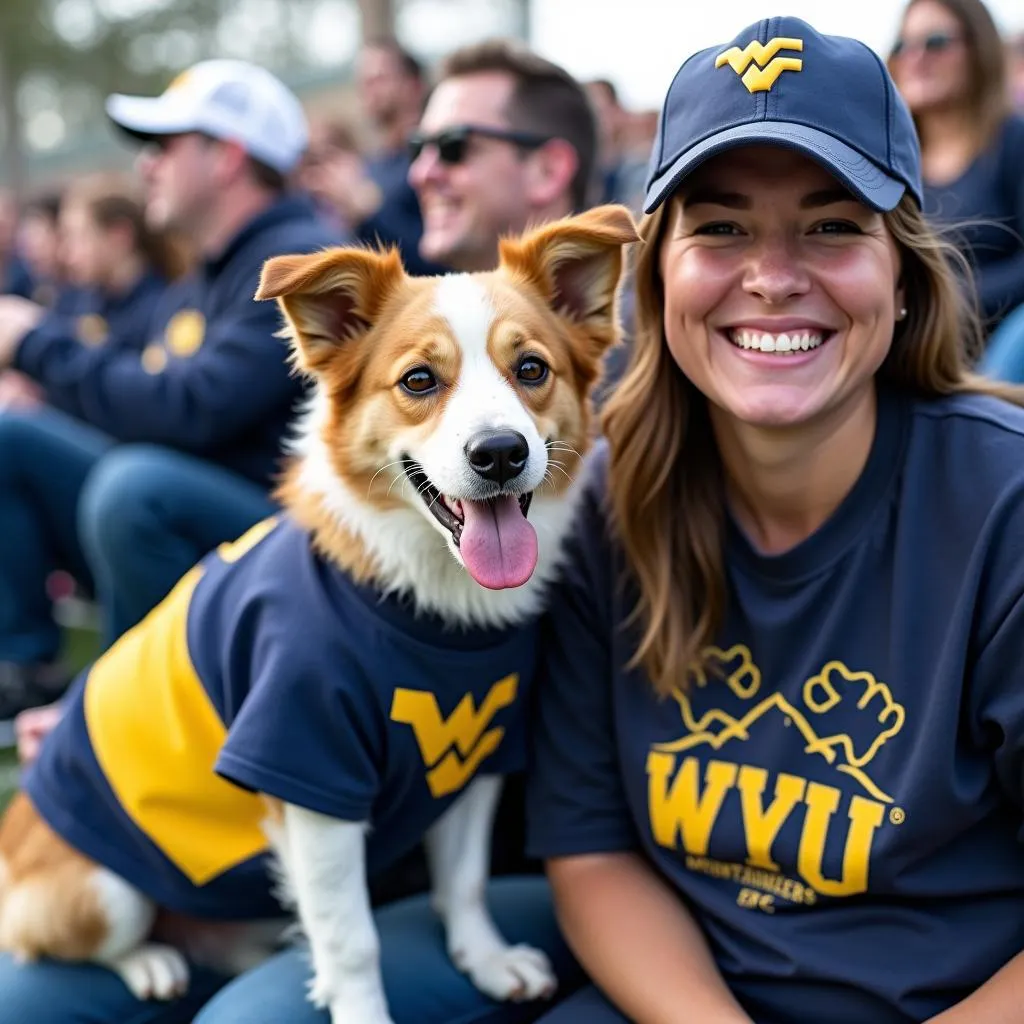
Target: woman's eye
{"type": "Point", "coordinates": [419, 381]}
{"type": "Point", "coordinates": [719, 228]}
{"type": "Point", "coordinates": [837, 227]}
{"type": "Point", "coordinates": [532, 370]}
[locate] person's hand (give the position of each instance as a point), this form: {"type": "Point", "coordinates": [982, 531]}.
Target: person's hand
{"type": "Point", "coordinates": [33, 726]}
{"type": "Point", "coordinates": [18, 316]}
{"type": "Point", "coordinates": [19, 392]}
{"type": "Point", "coordinates": [341, 181]}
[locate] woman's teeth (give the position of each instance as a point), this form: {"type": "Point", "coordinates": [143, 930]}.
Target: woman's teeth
{"type": "Point", "coordinates": [793, 341]}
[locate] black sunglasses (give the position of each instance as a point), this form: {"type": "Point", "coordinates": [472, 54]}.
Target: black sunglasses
{"type": "Point", "coordinates": [935, 42]}
{"type": "Point", "coordinates": [452, 143]}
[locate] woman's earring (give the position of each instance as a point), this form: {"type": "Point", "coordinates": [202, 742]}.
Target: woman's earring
{"type": "Point", "coordinates": [902, 315]}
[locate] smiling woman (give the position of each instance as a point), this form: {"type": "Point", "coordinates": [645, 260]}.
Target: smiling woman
{"type": "Point", "coordinates": [775, 252]}
{"type": "Point", "coordinates": [804, 533]}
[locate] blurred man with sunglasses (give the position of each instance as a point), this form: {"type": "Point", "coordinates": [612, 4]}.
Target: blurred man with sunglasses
{"type": "Point", "coordinates": [506, 139]}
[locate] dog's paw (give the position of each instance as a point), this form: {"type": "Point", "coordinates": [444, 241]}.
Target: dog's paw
{"type": "Point", "coordinates": [517, 973]}
{"type": "Point", "coordinates": [351, 1013]}
{"type": "Point", "coordinates": [153, 972]}
{"type": "Point", "coordinates": [353, 1003]}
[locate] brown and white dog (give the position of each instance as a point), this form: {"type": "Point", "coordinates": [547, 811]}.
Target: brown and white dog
{"type": "Point", "coordinates": [438, 459]}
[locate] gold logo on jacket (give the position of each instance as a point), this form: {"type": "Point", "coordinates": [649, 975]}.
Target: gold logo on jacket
{"type": "Point", "coordinates": [92, 329]}
{"type": "Point", "coordinates": [185, 332]}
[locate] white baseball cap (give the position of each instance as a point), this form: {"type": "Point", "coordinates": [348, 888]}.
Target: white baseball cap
{"type": "Point", "coordinates": [230, 100]}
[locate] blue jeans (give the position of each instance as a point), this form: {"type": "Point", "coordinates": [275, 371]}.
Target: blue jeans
{"type": "Point", "coordinates": [421, 984]}
{"type": "Point", "coordinates": [45, 458]}
{"type": "Point", "coordinates": [1004, 354]}
{"type": "Point", "coordinates": [147, 514]}
{"type": "Point", "coordinates": [126, 520]}
{"type": "Point", "coordinates": [587, 1006]}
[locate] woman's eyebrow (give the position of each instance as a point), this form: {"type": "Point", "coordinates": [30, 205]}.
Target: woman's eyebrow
{"type": "Point", "coordinates": [826, 197]}
{"type": "Point", "coordinates": [739, 201]}
{"type": "Point", "coordinates": [712, 196]}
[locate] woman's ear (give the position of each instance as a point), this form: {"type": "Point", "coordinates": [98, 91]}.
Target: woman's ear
{"type": "Point", "coordinates": [901, 301]}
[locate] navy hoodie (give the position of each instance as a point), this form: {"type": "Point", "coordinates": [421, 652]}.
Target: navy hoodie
{"type": "Point", "coordinates": [213, 379]}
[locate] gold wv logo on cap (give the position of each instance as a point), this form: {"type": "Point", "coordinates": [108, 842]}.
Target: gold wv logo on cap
{"type": "Point", "coordinates": [758, 66]}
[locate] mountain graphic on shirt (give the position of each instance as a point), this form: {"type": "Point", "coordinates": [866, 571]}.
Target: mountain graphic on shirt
{"type": "Point", "coordinates": [843, 716]}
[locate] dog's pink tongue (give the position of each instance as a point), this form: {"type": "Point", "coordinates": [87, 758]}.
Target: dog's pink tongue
{"type": "Point", "coordinates": [498, 544]}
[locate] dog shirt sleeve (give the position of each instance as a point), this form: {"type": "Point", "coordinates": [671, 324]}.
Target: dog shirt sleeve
{"type": "Point", "coordinates": [308, 732]}
{"type": "Point", "coordinates": [576, 803]}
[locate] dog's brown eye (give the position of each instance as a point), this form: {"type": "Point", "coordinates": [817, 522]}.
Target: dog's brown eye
{"type": "Point", "coordinates": [419, 381]}
{"type": "Point", "coordinates": [532, 370]}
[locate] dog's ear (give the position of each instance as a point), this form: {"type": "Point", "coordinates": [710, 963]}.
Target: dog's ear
{"type": "Point", "coordinates": [329, 298]}
{"type": "Point", "coordinates": [576, 262]}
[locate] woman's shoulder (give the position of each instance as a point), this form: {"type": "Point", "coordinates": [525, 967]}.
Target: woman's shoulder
{"type": "Point", "coordinates": [975, 413]}
{"type": "Point", "coordinates": [1008, 143]}
{"type": "Point", "coordinates": [587, 547]}
{"type": "Point", "coordinates": [593, 483]}
{"type": "Point", "coordinates": [968, 446]}
{"type": "Point", "coordinates": [1013, 131]}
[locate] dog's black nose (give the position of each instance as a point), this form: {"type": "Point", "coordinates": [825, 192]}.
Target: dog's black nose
{"type": "Point", "coordinates": [498, 455]}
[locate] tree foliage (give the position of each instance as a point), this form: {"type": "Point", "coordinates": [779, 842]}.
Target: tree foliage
{"type": "Point", "coordinates": [64, 56]}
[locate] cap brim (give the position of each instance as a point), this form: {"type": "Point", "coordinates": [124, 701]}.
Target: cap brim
{"type": "Point", "coordinates": [147, 117]}
{"type": "Point", "coordinates": [862, 177]}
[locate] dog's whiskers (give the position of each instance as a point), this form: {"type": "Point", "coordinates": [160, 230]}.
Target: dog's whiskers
{"type": "Point", "coordinates": [422, 488]}
{"type": "Point", "coordinates": [369, 486]}
{"type": "Point", "coordinates": [555, 464]}
{"type": "Point", "coordinates": [562, 446]}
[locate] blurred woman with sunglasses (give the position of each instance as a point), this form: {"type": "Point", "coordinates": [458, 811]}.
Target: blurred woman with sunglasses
{"type": "Point", "coordinates": [949, 63]}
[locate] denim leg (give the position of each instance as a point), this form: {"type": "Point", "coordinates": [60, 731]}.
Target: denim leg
{"type": "Point", "coordinates": [1004, 354]}
{"type": "Point", "coordinates": [59, 993]}
{"type": "Point", "coordinates": [148, 514]}
{"type": "Point", "coordinates": [45, 458]}
{"type": "Point", "coordinates": [422, 985]}
{"type": "Point", "coordinates": [588, 1006]}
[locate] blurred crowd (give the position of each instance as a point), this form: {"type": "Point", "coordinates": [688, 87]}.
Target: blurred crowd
{"type": "Point", "coordinates": [144, 396]}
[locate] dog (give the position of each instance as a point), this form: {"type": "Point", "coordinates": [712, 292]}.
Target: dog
{"type": "Point", "coordinates": [350, 676]}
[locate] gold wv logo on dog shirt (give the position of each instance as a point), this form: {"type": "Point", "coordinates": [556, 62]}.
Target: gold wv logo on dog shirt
{"type": "Point", "coordinates": [758, 66]}
{"type": "Point", "coordinates": [453, 748]}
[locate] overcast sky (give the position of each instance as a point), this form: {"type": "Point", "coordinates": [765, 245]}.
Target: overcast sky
{"type": "Point", "coordinates": [639, 44]}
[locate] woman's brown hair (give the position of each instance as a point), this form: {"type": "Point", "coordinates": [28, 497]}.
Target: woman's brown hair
{"type": "Point", "coordinates": [113, 200]}
{"type": "Point", "coordinates": [666, 492]}
{"type": "Point", "coordinates": [988, 98]}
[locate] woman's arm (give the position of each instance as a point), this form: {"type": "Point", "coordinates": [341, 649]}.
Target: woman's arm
{"type": "Point", "coordinates": [638, 942]}
{"type": "Point", "coordinates": [999, 1001]}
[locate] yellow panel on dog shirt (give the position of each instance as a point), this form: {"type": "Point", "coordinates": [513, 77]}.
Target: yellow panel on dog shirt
{"type": "Point", "coordinates": [156, 735]}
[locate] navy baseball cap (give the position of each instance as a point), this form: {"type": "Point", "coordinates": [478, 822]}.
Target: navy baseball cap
{"type": "Point", "coordinates": [781, 82]}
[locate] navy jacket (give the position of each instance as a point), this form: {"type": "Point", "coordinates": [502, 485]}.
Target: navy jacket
{"type": "Point", "coordinates": [399, 220]}
{"type": "Point", "coordinates": [213, 379]}
{"type": "Point", "coordinates": [94, 319]}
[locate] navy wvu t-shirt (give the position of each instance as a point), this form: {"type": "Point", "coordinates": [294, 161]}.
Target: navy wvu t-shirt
{"type": "Point", "coordinates": [268, 670]}
{"type": "Point", "coordinates": [840, 803]}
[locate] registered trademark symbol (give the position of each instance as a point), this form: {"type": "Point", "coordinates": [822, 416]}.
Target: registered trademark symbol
{"type": "Point", "coordinates": [897, 815]}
